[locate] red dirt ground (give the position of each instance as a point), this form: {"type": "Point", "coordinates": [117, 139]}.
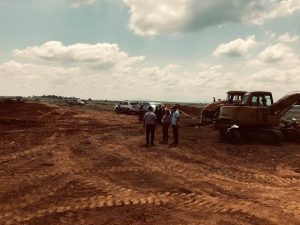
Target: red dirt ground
{"type": "Point", "coordinates": [63, 165]}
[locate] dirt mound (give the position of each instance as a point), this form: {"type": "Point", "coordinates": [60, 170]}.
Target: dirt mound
{"type": "Point", "coordinates": [15, 109]}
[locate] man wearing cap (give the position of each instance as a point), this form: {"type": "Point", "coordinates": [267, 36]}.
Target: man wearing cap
{"type": "Point", "coordinates": [150, 124]}
{"type": "Point", "coordinates": [175, 124]}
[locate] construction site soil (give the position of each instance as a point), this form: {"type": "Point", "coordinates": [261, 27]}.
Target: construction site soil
{"type": "Point", "coordinates": [72, 165]}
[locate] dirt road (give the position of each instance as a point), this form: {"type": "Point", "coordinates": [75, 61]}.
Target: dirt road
{"type": "Point", "coordinates": [62, 165]}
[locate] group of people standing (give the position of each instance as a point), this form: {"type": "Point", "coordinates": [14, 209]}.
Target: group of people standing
{"type": "Point", "coordinates": [166, 118]}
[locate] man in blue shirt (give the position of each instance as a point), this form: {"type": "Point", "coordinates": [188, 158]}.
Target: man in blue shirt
{"type": "Point", "coordinates": [175, 124]}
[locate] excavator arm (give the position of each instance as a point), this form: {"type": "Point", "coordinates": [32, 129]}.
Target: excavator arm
{"type": "Point", "coordinates": [284, 104]}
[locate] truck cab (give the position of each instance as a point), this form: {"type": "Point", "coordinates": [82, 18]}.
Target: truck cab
{"type": "Point", "coordinates": [258, 98]}
{"type": "Point", "coordinates": [235, 96]}
{"type": "Point", "coordinates": [254, 109]}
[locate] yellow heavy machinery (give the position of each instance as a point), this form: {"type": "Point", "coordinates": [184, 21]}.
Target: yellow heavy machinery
{"type": "Point", "coordinates": [256, 117]}
{"type": "Point", "coordinates": [211, 111]}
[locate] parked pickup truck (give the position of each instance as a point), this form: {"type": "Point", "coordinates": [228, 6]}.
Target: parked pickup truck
{"type": "Point", "coordinates": [129, 107]}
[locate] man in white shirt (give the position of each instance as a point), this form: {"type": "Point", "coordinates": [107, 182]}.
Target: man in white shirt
{"type": "Point", "coordinates": [175, 124]}
{"type": "Point", "coordinates": [150, 124]}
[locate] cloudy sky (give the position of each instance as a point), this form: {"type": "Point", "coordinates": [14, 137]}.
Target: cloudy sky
{"type": "Point", "coordinates": [174, 50]}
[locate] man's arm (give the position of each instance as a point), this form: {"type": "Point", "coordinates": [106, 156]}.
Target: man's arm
{"type": "Point", "coordinates": [177, 119]}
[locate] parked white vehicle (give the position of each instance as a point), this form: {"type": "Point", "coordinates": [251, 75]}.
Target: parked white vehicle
{"type": "Point", "coordinates": [129, 107]}
{"type": "Point", "coordinates": [74, 102]}
{"type": "Point", "coordinates": [145, 105]}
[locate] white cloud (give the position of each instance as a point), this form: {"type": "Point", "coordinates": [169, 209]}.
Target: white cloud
{"type": "Point", "coordinates": [69, 71]}
{"type": "Point", "coordinates": [279, 81]}
{"type": "Point", "coordinates": [287, 38]}
{"type": "Point", "coordinates": [172, 82]}
{"type": "Point", "coordinates": [13, 69]}
{"type": "Point", "coordinates": [236, 48]}
{"type": "Point", "coordinates": [276, 75]}
{"type": "Point", "coordinates": [29, 78]}
{"type": "Point", "coordinates": [100, 55]}
{"type": "Point", "coordinates": [165, 16]}
{"type": "Point", "coordinates": [270, 34]}
{"type": "Point", "coordinates": [154, 17]}
{"type": "Point", "coordinates": [76, 3]}
{"type": "Point", "coordinates": [258, 11]}
{"type": "Point", "coordinates": [278, 53]}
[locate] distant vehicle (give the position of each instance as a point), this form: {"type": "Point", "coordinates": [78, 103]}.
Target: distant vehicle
{"type": "Point", "coordinates": [129, 107]}
{"type": "Point", "coordinates": [75, 102]}
{"type": "Point", "coordinates": [145, 105]}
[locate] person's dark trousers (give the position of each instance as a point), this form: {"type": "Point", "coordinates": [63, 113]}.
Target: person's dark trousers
{"type": "Point", "coordinates": [175, 134]}
{"type": "Point", "coordinates": [141, 115]}
{"type": "Point", "coordinates": [150, 130]}
{"type": "Point", "coordinates": [165, 130]}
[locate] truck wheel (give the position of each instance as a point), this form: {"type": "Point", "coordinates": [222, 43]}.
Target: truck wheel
{"type": "Point", "coordinates": [223, 135]}
{"type": "Point", "coordinates": [298, 136]}
{"type": "Point", "coordinates": [235, 136]}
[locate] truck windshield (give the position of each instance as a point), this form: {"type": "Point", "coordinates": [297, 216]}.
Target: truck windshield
{"type": "Point", "coordinates": [245, 99]}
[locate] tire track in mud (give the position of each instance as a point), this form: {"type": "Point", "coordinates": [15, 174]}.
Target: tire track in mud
{"type": "Point", "coordinates": [53, 112]}
{"type": "Point", "coordinates": [32, 152]}
{"type": "Point", "coordinates": [210, 204]}
{"type": "Point", "coordinates": [30, 198]}
{"type": "Point", "coordinates": [105, 193]}
{"type": "Point", "coordinates": [183, 201]}
{"type": "Point", "coordinates": [196, 202]}
{"type": "Point", "coordinates": [15, 156]}
{"type": "Point", "coordinates": [127, 169]}
{"type": "Point", "coordinates": [32, 179]}
{"type": "Point", "coordinates": [238, 175]}
{"type": "Point", "coordinates": [190, 172]}
{"type": "Point", "coordinates": [197, 171]}
{"type": "Point", "coordinates": [83, 204]}
{"type": "Point", "coordinates": [292, 208]}
{"type": "Point", "coordinates": [109, 187]}
{"type": "Point", "coordinates": [36, 195]}
{"type": "Point", "coordinates": [246, 177]}
{"type": "Point", "coordinates": [146, 164]}
{"type": "Point", "coordinates": [169, 167]}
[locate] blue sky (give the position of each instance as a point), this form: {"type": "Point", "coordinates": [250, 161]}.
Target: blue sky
{"type": "Point", "coordinates": [173, 50]}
